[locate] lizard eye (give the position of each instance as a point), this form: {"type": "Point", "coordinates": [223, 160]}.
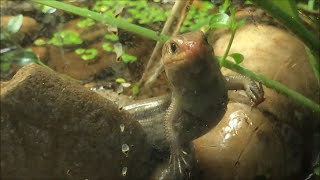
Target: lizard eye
{"type": "Point", "coordinates": [173, 47]}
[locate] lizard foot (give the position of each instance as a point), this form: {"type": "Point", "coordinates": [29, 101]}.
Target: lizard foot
{"type": "Point", "coordinates": [255, 93]}
{"type": "Point", "coordinates": [180, 165]}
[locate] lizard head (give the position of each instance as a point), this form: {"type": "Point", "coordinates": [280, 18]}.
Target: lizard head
{"type": "Point", "coordinates": [188, 59]}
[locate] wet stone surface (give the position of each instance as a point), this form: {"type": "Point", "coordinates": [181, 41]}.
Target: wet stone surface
{"type": "Point", "coordinates": [51, 127]}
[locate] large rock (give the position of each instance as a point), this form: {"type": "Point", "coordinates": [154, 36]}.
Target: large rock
{"type": "Point", "coordinates": [54, 128]}
{"type": "Point", "coordinates": [247, 144]}
{"type": "Point", "coordinates": [273, 140]}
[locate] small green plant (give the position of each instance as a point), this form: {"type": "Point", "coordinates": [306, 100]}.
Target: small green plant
{"type": "Point", "coordinates": [86, 54]}
{"type": "Point", "coordinates": [128, 58]}
{"type": "Point", "coordinates": [222, 20]}
{"type": "Point", "coordinates": [140, 11]}
{"type": "Point", "coordinates": [124, 57]}
{"type": "Point", "coordinates": [111, 37]}
{"type": "Point", "coordinates": [18, 56]}
{"type": "Point", "coordinates": [197, 18]}
{"type": "Point", "coordinates": [86, 23]}
{"type": "Point", "coordinates": [135, 89]}
{"type": "Point", "coordinates": [66, 37]}
{"type": "Point", "coordinates": [107, 47]}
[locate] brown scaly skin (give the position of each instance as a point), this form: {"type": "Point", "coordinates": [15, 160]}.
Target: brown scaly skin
{"type": "Point", "coordinates": [198, 100]}
{"type": "Point", "coordinates": [199, 96]}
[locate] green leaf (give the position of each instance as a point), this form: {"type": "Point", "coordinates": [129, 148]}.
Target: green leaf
{"type": "Point", "coordinates": [219, 58]}
{"type": "Point", "coordinates": [120, 80]}
{"type": "Point", "coordinates": [5, 66]}
{"type": "Point", "coordinates": [220, 20]}
{"type": "Point", "coordinates": [86, 23]}
{"type": "Point", "coordinates": [15, 24]}
{"type": "Point", "coordinates": [224, 6]}
{"type": "Point", "coordinates": [288, 6]}
{"type": "Point", "coordinates": [111, 37]}
{"type": "Point", "coordinates": [89, 54]}
{"type": "Point", "coordinates": [80, 51]}
{"type": "Point", "coordinates": [128, 58]}
{"type": "Point", "coordinates": [106, 47]}
{"type": "Point", "coordinates": [237, 57]}
{"type": "Point", "coordinates": [135, 89]}
{"type": "Point", "coordinates": [48, 9]}
{"type": "Point", "coordinates": [39, 42]}
{"type": "Point", "coordinates": [6, 57]}
{"type": "Point", "coordinates": [66, 37]}
{"type": "Point", "coordinates": [316, 171]}
{"type": "Point", "coordinates": [25, 57]}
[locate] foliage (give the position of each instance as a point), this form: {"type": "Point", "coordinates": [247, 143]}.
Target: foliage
{"type": "Point", "coordinates": [19, 56]}
{"type": "Point", "coordinates": [87, 54]}
{"type": "Point", "coordinates": [139, 11]}
{"type": "Point", "coordinates": [222, 20]}
{"type": "Point", "coordinates": [120, 80]}
{"type": "Point", "coordinates": [86, 23]}
{"type": "Point", "coordinates": [111, 37]}
{"type": "Point", "coordinates": [135, 89]}
{"type": "Point", "coordinates": [14, 24]}
{"type": "Point", "coordinates": [197, 18]}
{"type": "Point", "coordinates": [65, 37]}
{"type": "Point", "coordinates": [128, 58]}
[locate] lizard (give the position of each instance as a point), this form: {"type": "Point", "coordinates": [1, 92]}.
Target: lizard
{"type": "Point", "coordinates": [198, 100]}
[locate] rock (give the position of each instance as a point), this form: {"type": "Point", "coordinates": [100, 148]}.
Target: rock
{"type": "Point", "coordinates": [73, 65]}
{"type": "Point", "coordinates": [276, 54]}
{"type": "Point", "coordinates": [53, 128]}
{"type": "Point", "coordinates": [273, 140]}
{"type": "Point", "coordinates": [246, 144]}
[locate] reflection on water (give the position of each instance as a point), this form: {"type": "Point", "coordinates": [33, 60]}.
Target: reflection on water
{"type": "Point", "coordinates": [124, 171]}
{"type": "Point", "coordinates": [125, 149]}
{"type": "Point", "coordinates": [121, 127]}
{"type": "Point", "coordinates": [236, 120]}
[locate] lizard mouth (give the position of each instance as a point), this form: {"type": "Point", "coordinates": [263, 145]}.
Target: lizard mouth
{"type": "Point", "coordinates": [183, 49]}
{"type": "Point", "coordinates": [180, 52]}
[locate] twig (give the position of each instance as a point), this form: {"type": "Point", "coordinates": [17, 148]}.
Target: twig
{"type": "Point", "coordinates": [171, 28]}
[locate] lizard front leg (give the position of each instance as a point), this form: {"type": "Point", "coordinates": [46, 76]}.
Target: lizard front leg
{"type": "Point", "coordinates": [239, 82]}
{"type": "Point", "coordinates": [181, 150]}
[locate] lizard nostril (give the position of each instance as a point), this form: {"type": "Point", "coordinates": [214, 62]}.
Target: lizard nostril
{"type": "Point", "coordinates": [173, 47]}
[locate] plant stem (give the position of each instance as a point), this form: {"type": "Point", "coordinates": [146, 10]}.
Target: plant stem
{"type": "Point", "coordinates": [42, 64]}
{"type": "Point", "coordinates": [295, 26]}
{"type": "Point", "coordinates": [274, 85]}
{"type": "Point", "coordinates": [104, 19]}
{"type": "Point", "coordinates": [313, 62]}
{"type": "Point", "coordinates": [233, 32]}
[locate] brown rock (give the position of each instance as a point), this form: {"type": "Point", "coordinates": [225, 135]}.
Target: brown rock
{"type": "Point", "coordinates": [53, 128]}
{"type": "Point", "coordinates": [246, 144]}
{"type": "Point", "coordinates": [71, 63]}
{"type": "Point", "coordinates": [269, 140]}
{"type": "Point", "coordinates": [276, 54]}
